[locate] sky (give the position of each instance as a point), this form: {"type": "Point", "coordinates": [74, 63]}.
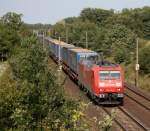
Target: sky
{"type": "Point", "coordinates": [51, 11]}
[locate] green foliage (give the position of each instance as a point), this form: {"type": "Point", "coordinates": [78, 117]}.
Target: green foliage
{"type": "Point", "coordinates": [121, 56]}
{"type": "Point", "coordinates": [106, 124]}
{"type": "Point", "coordinates": [117, 41]}
{"type": "Point", "coordinates": [8, 41]}
{"type": "Point", "coordinates": [132, 22]}
{"type": "Point", "coordinates": [76, 32]}
{"type": "Point", "coordinates": [12, 21]}
{"type": "Point", "coordinates": [10, 25]}
{"type": "Point", "coordinates": [58, 30]}
{"type": "Point", "coordinates": [31, 98]}
{"type": "Point", "coordinates": [135, 19]}
{"type": "Point", "coordinates": [95, 15]}
{"type": "Point", "coordinates": [145, 14]}
{"type": "Point", "coordinates": [8, 95]}
{"type": "Point", "coordinates": [28, 58]}
{"type": "Point", "coordinates": [144, 59]}
{"type": "Point", "coordinates": [71, 20]}
{"type": "Point", "coordinates": [36, 84]}
{"type": "Point", "coordinates": [38, 26]}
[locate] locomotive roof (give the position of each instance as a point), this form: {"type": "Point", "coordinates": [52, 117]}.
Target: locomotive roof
{"type": "Point", "coordinates": [107, 64]}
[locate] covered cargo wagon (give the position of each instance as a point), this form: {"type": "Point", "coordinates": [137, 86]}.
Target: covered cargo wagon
{"type": "Point", "coordinates": [65, 53]}
{"type": "Point", "coordinates": [58, 46]}
{"type": "Point", "coordinates": [61, 47]}
{"type": "Point", "coordinates": [77, 55]}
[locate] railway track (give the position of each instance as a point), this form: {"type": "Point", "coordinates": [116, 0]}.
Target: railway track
{"type": "Point", "coordinates": [141, 104]}
{"type": "Point", "coordinates": [137, 97]}
{"type": "Point", "coordinates": [137, 103]}
{"type": "Point", "coordinates": [129, 123]}
{"type": "Point", "coordinates": [136, 91]}
{"type": "Point", "coordinates": [116, 121]}
{"type": "Point", "coordinates": [139, 123]}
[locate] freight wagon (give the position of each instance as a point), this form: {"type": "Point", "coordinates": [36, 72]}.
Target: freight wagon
{"type": "Point", "coordinates": [75, 57]}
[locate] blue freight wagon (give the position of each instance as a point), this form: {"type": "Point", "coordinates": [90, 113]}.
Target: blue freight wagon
{"type": "Point", "coordinates": [63, 49]}
{"type": "Point", "coordinates": [49, 43]}
{"type": "Point", "coordinates": [65, 54]}
{"type": "Point", "coordinates": [52, 48]}
{"type": "Point", "coordinates": [77, 55]}
{"type": "Point", "coordinates": [57, 49]}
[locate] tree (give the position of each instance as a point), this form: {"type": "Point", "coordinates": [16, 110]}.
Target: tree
{"type": "Point", "coordinates": [77, 33]}
{"type": "Point", "coordinates": [71, 20]}
{"type": "Point", "coordinates": [8, 41]}
{"type": "Point", "coordinates": [39, 101]}
{"type": "Point", "coordinates": [12, 20]}
{"type": "Point", "coordinates": [144, 59]}
{"type": "Point", "coordinates": [145, 16]}
{"type": "Point", "coordinates": [8, 95]}
{"type": "Point", "coordinates": [95, 15]}
{"type": "Point", "coordinates": [116, 39]}
{"type": "Point", "coordinates": [10, 25]}
{"type": "Point", "coordinates": [121, 56]}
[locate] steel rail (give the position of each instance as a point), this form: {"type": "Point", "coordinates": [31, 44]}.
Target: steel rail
{"type": "Point", "coordinates": [131, 89]}
{"type": "Point", "coordinates": [134, 119]}
{"type": "Point", "coordinates": [119, 123]}
{"type": "Point", "coordinates": [147, 108]}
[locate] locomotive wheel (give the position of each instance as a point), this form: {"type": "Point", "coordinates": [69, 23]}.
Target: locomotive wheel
{"type": "Point", "coordinates": [93, 96]}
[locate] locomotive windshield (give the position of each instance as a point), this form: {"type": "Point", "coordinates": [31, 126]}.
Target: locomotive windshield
{"type": "Point", "coordinates": [109, 75]}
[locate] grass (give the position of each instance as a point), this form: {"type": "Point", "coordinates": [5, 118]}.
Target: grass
{"type": "Point", "coordinates": [129, 73]}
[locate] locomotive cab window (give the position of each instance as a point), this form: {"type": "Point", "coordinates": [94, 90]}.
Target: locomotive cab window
{"type": "Point", "coordinates": [114, 74]}
{"type": "Point", "coordinates": [109, 75]}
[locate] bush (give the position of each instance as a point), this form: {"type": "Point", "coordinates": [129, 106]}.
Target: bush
{"type": "Point", "coordinates": [122, 55]}
{"type": "Point", "coordinates": [35, 100]}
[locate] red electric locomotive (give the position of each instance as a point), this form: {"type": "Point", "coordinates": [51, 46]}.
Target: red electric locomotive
{"type": "Point", "coordinates": [103, 81]}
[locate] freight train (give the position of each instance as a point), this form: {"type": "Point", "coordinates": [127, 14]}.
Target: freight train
{"type": "Point", "coordinates": [102, 80]}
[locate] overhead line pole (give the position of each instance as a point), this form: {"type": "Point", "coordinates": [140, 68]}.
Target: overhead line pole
{"type": "Point", "coordinates": [86, 40]}
{"type": "Point", "coordinates": [66, 35]}
{"type": "Point", "coordinates": [137, 63]}
{"type": "Point", "coordinates": [43, 40]}
{"type": "Point", "coordinates": [59, 63]}
{"type": "Point", "coordinates": [59, 56]}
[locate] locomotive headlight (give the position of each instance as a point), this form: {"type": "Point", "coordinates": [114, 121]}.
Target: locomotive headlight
{"type": "Point", "coordinates": [118, 89]}
{"type": "Point", "coordinates": [118, 84]}
{"type": "Point", "coordinates": [101, 84]}
{"type": "Point", "coordinates": [101, 89]}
